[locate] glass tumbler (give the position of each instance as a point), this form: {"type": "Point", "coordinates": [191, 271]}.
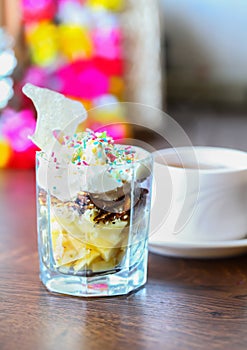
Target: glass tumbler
{"type": "Point", "coordinates": [92, 241]}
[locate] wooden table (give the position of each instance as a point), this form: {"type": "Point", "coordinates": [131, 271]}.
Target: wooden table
{"type": "Point", "coordinates": [187, 304]}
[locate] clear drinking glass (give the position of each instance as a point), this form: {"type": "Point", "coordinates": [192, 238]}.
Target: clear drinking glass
{"type": "Point", "coordinates": [93, 244]}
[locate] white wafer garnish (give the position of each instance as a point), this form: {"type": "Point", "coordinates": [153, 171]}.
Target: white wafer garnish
{"type": "Point", "coordinates": [55, 112]}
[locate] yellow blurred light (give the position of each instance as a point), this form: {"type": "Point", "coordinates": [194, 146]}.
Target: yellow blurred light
{"type": "Point", "coordinates": [5, 153]}
{"type": "Point", "coordinates": [75, 42]}
{"type": "Point", "coordinates": [117, 87]}
{"type": "Point", "coordinates": [113, 5]}
{"type": "Point", "coordinates": [43, 41]}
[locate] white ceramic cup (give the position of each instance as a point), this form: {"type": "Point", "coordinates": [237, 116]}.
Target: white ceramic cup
{"type": "Point", "coordinates": [199, 194]}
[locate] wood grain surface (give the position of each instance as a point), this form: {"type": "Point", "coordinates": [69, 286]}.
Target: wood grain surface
{"type": "Point", "coordinates": [186, 304]}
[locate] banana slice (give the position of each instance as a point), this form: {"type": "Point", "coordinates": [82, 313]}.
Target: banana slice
{"type": "Point", "coordinates": [67, 249]}
{"type": "Point", "coordinates": [86, 260]}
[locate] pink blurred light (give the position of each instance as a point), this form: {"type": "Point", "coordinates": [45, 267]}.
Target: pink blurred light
{"type": "Point", "coordinates": [35, 10]}
{"type": "Point", "coordinates": [116, 131]}
{"type": "Point", "coordinates": [86, 84]}
{"type": "Point", "coordinates": [107, 42]}
{"type": "Point", "coordinates": [35, 75]}
{"type": "Point", "coordinates": [63, 2]}
{"type": "Point", "coordinates": [16, 127]}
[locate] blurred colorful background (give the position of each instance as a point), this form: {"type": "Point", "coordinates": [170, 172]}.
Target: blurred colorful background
{"type": "Point", "coordinates": [75, 47]}
{"type": "Point", "coordinates": [186, 57]}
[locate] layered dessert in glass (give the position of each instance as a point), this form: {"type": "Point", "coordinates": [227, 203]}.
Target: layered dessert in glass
{"type": "Point", "coordinates": [93, 208]}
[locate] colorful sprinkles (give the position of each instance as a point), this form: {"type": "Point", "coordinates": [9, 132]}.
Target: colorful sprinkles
{"type": "Point", "coordinates": [97, 148]}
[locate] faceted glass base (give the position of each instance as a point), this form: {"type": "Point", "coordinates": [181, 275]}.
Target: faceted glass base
{"type": "Point", "coordinates": [119, 283]}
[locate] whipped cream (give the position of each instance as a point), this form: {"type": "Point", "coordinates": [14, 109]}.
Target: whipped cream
{"type": "Point", "coordinates": [96, 167]}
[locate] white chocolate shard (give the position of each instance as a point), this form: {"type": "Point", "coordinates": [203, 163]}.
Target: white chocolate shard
{"type": "Point", "coordinates": [55, 112]}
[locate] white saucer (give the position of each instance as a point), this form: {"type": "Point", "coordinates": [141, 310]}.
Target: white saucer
{"type": "Point", "coordinates": [201, 250]}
